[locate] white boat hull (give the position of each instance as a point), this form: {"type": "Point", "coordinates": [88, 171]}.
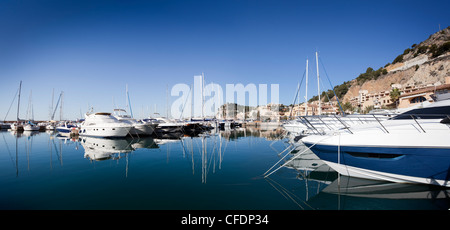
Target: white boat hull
{"type": "Point", "coordinates": [403, 151]}
{"type": "Point", "coordinates": [383, 176]}
{"type": "Point", "coordinates": [142, 129]}
{"type": "Point", "coordinates": [16, 127]}
{"type": "Point", "coordinates": [105, 131]}
{"type": "Point", "coordinates": [168, 128]}
{"type": "Point", "coordinates": [30, 128]}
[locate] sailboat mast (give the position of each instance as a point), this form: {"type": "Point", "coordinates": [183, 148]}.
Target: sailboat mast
{"type": "Point", "coordinates": [18, 102]}
{"type": "Point", "coordinates": [167, 101]}
{"type": "Point", "coordinates": [30, 107]}
{"type": "Point", "coordinates": [53, 99]}
{"type": "Point", "coordinates": [318, 83]}
{"type": "Point", "coordinates": [203, 97]}
{"type": "Point", "coordinates": [126, 96]}
{"type": "Point", "coordinates": [306, 91]}
{"type": "Point", "coordinates": [61, 106]}
{"type": "Point", "coordinates": [128, 101]}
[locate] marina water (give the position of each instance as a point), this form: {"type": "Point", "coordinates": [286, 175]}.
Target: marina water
{"type": "Point", "coordinates": [218, 170]}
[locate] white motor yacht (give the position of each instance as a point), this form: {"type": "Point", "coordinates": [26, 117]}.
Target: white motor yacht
{"type": "Point", "coordinates": [16, 126]}
{"type": "Point", "coordinates": [412, 147]}
{"type": "Point", "coordinates": [103, 125]}
{"type": "Point", "coordinates": [138, 127]}
{"type": "Point", "coordinates": [67, 129]}
{"type": "Point", "coordinates": [4, 125]}
{"type": "Point", "coordinates": [165, 125]}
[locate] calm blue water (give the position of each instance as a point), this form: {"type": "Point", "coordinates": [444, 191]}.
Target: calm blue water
{"type": "Point", "coordinates": [220, 171]}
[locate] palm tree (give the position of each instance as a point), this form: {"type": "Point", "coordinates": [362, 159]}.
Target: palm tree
{"type": "Point", "coordinates": [395, 94]}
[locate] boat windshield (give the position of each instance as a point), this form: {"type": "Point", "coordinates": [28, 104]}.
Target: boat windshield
{"type": "Point", "coordinates": [435, 112]}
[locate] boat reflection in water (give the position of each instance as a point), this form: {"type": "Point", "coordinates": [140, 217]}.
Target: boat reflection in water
{"type": "Point", "coordinates": [105, 148]}
{"type": "Point", "coordinates": [318, 182]}
{"type": "Point", "coordinates": [351, 193]}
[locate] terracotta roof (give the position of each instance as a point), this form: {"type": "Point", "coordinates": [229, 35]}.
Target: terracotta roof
{"type": "Point", "coordinates": [426, 90]}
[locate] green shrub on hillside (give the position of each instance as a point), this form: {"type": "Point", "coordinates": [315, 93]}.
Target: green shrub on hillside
{"type": "Point", "coordinates": [399, 58]}
{"type": "Point", "coordinates": [441, 49]}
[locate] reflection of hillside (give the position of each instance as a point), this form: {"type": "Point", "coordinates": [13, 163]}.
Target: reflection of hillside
{"type": "Point", "coordinates": [234, 134]}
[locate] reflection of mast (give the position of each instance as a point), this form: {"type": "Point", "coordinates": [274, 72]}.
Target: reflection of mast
{"type": "Point", "coordinates": [17, 152]}
{"type": "Point", "coordinates": [27, 150]}
{"type": "Point", "coordinates": [51, 148]}
{"type": "Point", "coordinates": [58, 153]}
{"type": "Point", "coordinates": [287, 194]}
{"type": "Point", "coordinates": [220, 151]}
{"type": "Point", "coordinates": [204, 160]}
{"type": "Point", "coordinates": [126, 167]}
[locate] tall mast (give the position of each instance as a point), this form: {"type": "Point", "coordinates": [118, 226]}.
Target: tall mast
{"type": "Point", "coordinates": [306, 91]}
{"type": "Point", "coordinates": [203, 97]}
{"type": "Point", "coordinates": [61, 106]}
{"type": "Point", "coordinates": [30, 108]}
{"type": "Point", "coordinates": [167, 101]}
{"type": "Point", "coordinates": [318, 83]}
{"type": "Point", "coordinates": [192, 102]}
{"type": "Point", "coordinates": [18, 102]}
{"type": "Point", "coordinates": [51, 108]}
{"type": "Point", "coordinates": [126, 96]}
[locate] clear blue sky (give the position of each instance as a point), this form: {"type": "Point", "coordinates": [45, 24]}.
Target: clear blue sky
{"type": "Point", "coordinates": [92, 49]}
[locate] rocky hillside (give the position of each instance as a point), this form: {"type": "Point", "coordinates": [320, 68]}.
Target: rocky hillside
{"type": "Point", "coordinates": [424, 63]}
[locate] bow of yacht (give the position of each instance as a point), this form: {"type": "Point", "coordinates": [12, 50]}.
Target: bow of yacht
{"type": "Point", "coordinates": [412, 147]}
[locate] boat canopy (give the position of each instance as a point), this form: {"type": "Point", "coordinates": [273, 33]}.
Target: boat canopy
{"type": "Point", "coordinates": [436, 110]}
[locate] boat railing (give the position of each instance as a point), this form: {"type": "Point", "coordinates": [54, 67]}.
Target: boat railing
{"type": "Point", "coordinates": [380, 124]}
{"type": "Point", "coordinates": [418, 117]}
{"type": "Point", "coordinates": [310, 126]}
{"type": "Point", "coordinates": [321, 124]}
